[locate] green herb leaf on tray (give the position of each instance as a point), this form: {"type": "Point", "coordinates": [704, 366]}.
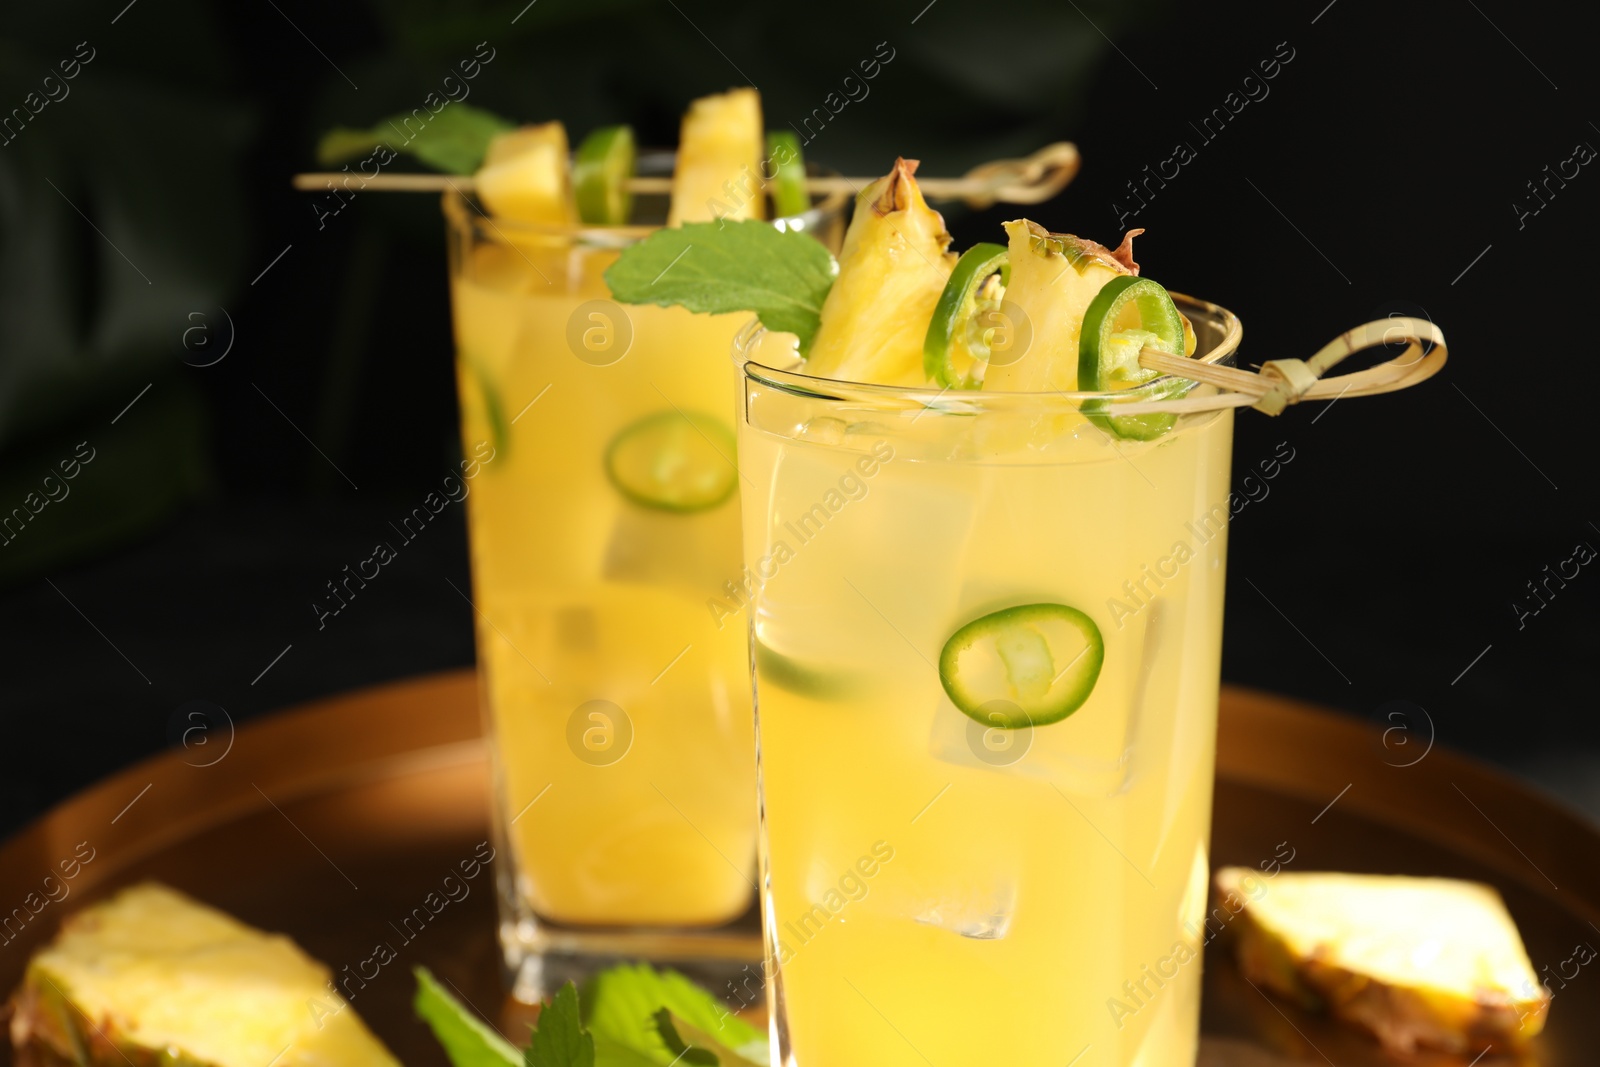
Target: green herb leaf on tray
{"type": "Point", "coordinates": [621, 1003]}
{"type": "Point", "coordinates": [717, 267]}
{"type": "Point", "coordinates": [559, 1039]}
{"type": "Point", "coordinates": [637, 1017]}
{"type": "Point", "coordinates": [467, 1040]}
{"type": "Point", "coordinates": [454, 140]}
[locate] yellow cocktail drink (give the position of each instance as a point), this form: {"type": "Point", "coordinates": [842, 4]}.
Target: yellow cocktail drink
{"type": "Point", "coordinates": [959, 885]}
{"type": "Point", "coordinates": [603, 517]}
{"type": "Point", "coordinates": [607, 517]}
{"type": "Point", "coordinates": [985, 507]}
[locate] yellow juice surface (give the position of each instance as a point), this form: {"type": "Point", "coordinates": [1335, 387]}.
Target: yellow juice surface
{"type": "Point", "coordinates": [945, 892]}
{"type": "Point", "coordinates": [621, 710]}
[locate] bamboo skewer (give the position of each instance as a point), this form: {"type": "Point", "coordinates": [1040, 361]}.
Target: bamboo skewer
{"type": "Point", "coordinates": [1031, 180]}
{"type": "Point", "coordinates": [1036, 178]}
{"type": "Point", "coordinates": [1282, 382]}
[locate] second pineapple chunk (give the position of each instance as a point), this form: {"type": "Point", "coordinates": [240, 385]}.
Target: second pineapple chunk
{"type": "Point", "coordinates": [718, 175]}
{"type": "Point", "coordinates": [1054, 276]}
{"type": "Point", "coordinates": [526, 177]}
{"type": "Point", "coordinates": [893, 266]}
{"type": "Point", "coordinates": [1418, 962]}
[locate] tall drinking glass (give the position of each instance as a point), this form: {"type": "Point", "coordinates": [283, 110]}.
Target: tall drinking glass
{"type": "Point", "coordinates": [948, 881]}
{"type": "Point", "coordinates": [603, 512]}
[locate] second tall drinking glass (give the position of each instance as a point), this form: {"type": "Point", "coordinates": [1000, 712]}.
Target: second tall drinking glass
{"type": "Point", "coordinates": [949, 881]}
{"type": "Point", "coordinates": [604, 517]}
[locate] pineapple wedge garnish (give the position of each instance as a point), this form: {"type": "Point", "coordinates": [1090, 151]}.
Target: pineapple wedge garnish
{"type": "Point", "coordinates": [1054, 276]}
{"type": "Point", "coordinates": [1430, 963]}
{"type": "Point", "coordinates": [152, 977]}
{"type": "Point", "coordinates": [526, 176]}
{"type": "Point", "coordinates": [892, 268]}
{"type": "Point", "coordinates": [718, 175]}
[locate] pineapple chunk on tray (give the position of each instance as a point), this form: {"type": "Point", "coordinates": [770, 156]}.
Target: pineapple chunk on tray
{"type": "Point", "coordinates": [152, 978]}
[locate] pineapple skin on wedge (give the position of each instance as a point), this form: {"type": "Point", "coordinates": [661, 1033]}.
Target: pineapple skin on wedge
{"type": "Point", "coordinates": [718, 174]}
{"type": "Point", "coordinates": [1054, 277]}
{"type": "Point", "coordinates": [156, 979]}
{"type": "Point", "coordinates": [1419, 963]}
{"type": "Point", "coordinates": [527, 177]}
{"type": "Point", "coordinates": [893, 266]}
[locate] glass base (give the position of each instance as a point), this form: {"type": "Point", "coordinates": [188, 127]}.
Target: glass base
{"type": "Point", "coordinates": [540, 958]}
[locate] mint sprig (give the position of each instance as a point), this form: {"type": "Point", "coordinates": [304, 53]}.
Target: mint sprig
{"type": "Point", "coordinates": [781, 276]}
{"type": "Point", "coordinates": [453, 140]}
{"type": "Point", "coordinates": [636, 1017]}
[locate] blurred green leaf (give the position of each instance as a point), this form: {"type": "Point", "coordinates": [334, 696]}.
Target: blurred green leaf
{"type": "Point", "coordinates": [467, 1040]}
{"type": "Point", "coordinates": [452, 140]}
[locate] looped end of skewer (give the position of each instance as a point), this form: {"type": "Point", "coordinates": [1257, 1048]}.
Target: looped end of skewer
{"type": "Point", "coordinates": [1290, 379]}
{"type": "Point", "coordinates": [1282, 382]}
{"type": "Point", "coordinates": [1031, 180]}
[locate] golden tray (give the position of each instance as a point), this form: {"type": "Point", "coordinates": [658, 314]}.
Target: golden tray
{"type": "Point", "coordinates": [332, 821]}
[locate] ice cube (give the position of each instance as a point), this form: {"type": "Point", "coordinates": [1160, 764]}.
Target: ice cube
{"type": "Point", "coordinates": [965, 742]}
{"type": "Point", "coordinates": [959, 739]}
{"type": "Point", "coordinates": [845, 553]}
{"type": "Point", "coordinates": [654, 547]}
{"type": "Point", "coordinates": [824, 429]}
{"type": "Point", "coordinates": [981, 912]}
{"type": "Point", "coordinates": [1104, 765]}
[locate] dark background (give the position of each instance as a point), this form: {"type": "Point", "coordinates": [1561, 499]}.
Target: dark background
{"type": "Point", "coordinates": [1378, 175]}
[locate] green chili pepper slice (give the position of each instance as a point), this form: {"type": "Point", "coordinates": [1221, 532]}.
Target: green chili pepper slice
{"type": "Point", "coordinates": [946, 345]}
{"type": "Point", "coordinates": [605, 161]}
{"type": "Point", "coordinates": [787, 185]}
{"type": "Point", "coordinates": [1128, 314]}
{"type": "Point", "coordinates": [807, 680]}
{"type": "Point", "coordinates": [494, 411]}
{"type": "Point", "coordinates": [1030, 665]}
{"type": "Point", "coordinates": [674, 461]}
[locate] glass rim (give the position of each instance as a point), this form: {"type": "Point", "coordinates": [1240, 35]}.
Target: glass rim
{"type": "Point", "coordinates": [972, 401]}
{"type": "Point", "coordinates": [462, 213]}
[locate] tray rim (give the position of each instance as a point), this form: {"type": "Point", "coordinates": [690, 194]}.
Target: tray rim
{"type": "Point", "coordinates": [1548, 857]}
{"type": "Point", "coordinates": [270, 752]}
{"type": "Point", "coordinates": [441, 709]}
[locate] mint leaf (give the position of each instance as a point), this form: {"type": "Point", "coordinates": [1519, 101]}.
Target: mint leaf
{"type": "Point", "coordinates": [559, 1039]}
{"type": "Point", "coordinates": [716, 267]}
{"type": "Point", "coordinates": [467, 1040]}
{"type": "Point", "coordinates": [453, 140]}
{"type": "Point", "coordinates": [697, 1055]}
{"type": "Point", "coordinates": [621, 1003]}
